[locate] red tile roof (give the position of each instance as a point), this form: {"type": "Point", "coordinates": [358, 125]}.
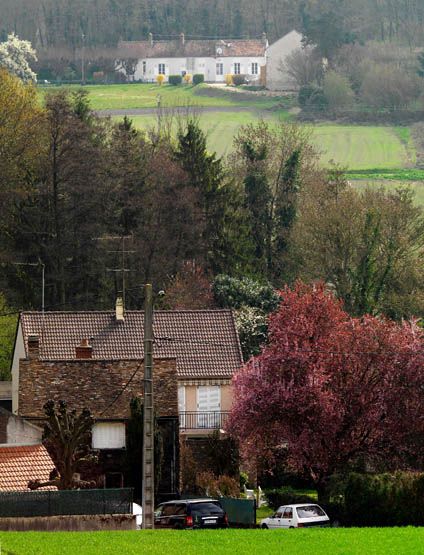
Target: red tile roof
{"type": "Point", "coordinates": [204, 342]}
{"type": "Point", "coordinates": [192, 48]}
{"type": "Point", "coordinates": [21, 463]}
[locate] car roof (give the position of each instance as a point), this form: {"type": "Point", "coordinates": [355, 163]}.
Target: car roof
{"type": "Point", "coordinates": [300, 505]}
{"type": "Point", "coordinates": [206, 499]}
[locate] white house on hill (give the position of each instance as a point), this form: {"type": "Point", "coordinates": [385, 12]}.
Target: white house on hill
{"type": "Point", "coordinates": [212, 58]}
{"type": "Point", "coordinates": [277, 79]}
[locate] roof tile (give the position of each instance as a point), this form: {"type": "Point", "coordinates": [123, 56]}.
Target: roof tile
{"type": "Point", "coordinates": [21, 463]}
{"type": "Point", "coordinates": [204, 342]}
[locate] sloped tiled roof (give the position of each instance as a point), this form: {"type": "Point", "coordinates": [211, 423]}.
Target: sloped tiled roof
{"type": "Point", "coordinates": [21, 463]}
{"type": "Point", "coordinates": [204, 342]}
{"type": "Point", "coordinates": [192, 48]}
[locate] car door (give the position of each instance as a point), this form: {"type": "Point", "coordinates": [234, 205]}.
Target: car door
{"type": "Point", "coordinates": [286, 520]}
{"type": "Point", "coordinates": [164, 520]}
{"type": "Point", "coordinates": [275, 520]}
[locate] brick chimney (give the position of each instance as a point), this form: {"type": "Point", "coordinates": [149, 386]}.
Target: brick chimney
{"type": "Point", "coordinates": [84, 350]}
{"type": "Point", "coordinates": [33, 346]}
{"type": "Point", "coordinates": [151, 39]}
{"type": "Point", "coordinates": [182, 39]}
{"type": "Point", "coordinates": [119, 310]}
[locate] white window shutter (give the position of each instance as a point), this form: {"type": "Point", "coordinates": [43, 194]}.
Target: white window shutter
{"type": "Point", "coordinates": [108, 435]}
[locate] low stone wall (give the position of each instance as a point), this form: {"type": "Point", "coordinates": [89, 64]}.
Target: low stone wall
{"type": "Point", "coordinates": [70, 523]}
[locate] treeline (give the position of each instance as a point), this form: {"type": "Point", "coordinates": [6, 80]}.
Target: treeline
{"type": "Point", "coordinates": [103, 22]}
{"type": "Point", "coordinates": [73, 186]}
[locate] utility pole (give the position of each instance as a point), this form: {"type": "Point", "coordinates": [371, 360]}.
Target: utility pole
{"type": "Point", "coordinates": [122, 270]}
{"type": "Point", "coordinates": [148, 486]}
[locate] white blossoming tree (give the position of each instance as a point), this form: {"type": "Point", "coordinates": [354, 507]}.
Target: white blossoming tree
{"type": "Point", "coordinates": [16, 55]}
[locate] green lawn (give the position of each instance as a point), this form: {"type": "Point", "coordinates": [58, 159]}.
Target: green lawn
{"type": "Point", "coordinates": [362, 147]}
{"type": "Point", "coordinates": [220, 127]}
{"type": "Point", "coordinates": [333, 541]}
{"type": "Point", "coordinates": [121, 97]}
{"type": "Point", "coordinates": [357, 148]}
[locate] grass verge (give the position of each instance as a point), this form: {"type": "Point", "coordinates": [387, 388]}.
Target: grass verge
{"type": "Point", "coordinates": [332, 541]}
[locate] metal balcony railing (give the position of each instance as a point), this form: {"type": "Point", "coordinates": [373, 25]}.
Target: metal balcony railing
{"type": "Point", "coordinates": [194, 420]}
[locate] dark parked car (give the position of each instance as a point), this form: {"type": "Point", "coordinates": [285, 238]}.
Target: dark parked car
{"type": "Point", "coordinates": [191, 513]}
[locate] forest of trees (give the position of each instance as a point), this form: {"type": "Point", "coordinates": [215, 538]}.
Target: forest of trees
{"type": "Point", "coordinates": [103, 22]}
{"type": "Point", "coordinates": [256, 214]}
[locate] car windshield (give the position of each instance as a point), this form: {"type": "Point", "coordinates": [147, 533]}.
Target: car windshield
{"type": "Point", "coordinates": [309, 511]}
{"type": "Point", "coordinates": [206, 508]}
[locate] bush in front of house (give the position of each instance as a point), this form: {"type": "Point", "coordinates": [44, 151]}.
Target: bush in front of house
{"type": "Point", "coordinates": [239, 80]}
{"type": "Point", "coordinates": [175, 80]}
{"type": "Point", "coordinates": [285, 496]}
{"type": "Point", "coordinates": [312, 98]}
{"type": "Point", "coordinates": [198, 78]}
{"type": "Point", "coordinates": [160, 79]}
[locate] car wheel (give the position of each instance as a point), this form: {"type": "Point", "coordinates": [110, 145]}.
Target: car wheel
{"type": "Point", "coordinates": [264, 527]}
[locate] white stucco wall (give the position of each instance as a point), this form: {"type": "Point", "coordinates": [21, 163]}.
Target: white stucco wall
{"type": "Point", "coordinates": [21, 432]}
{"type": "Point", "coordinates": [206, 66]}
{"type": "Point", "coordinates": [277, 80]}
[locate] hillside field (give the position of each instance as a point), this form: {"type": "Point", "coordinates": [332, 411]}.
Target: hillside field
{"type": "Point", "coordinates": [141, 95]}
{"type": "Point", "coordinates": [334, 541]}
{"type": "Point", "coordinates": [375, 155]}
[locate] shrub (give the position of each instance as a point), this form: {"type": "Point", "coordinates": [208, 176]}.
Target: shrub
{"type": "Point", "coordinates": [187, 78]}
{"type": "Point", "coordinates": [160, 78]}
{"type": "Point", "coordinates": [390, 88]}
{"type": "Point", "coordinates": [228, 79]}
{"type": "Point", "coordinates": [239, 80]}
{"type": "Point", "coordinates": [313, 98]}
{"type": "Point", "coordinates": [285, 496]}
{"type": "Point", "coordinates": [337, 91]}
{"type": "Point", "coordinates": [385, 499]}
{"type": "Point", "coordinates": [198, 78]}
{"type": "Point", "coordinates": [221, 486]}
{"type": "Point", "coordinates": [175, 79]}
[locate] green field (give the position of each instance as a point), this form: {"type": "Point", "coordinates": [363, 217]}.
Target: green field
{"type": "Point", "coordinates": [357, 148]}
{"type": "Point", "coordinates": [362, 147]}
{"type": "Point", "coordinates": [333, 541]}
{"type": "Point", "coordinates": [121, 97]}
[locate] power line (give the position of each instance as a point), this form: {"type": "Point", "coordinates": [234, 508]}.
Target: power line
{"type": "Point", "coordinates": [122, 390]}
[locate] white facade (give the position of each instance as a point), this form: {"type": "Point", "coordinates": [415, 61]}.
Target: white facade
{"type": "Point", "coordinates": [214, 69]}
{"type": "Point", "coordinates": [276, 78]}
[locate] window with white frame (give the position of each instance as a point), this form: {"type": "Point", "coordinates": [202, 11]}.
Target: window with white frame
{"type": "Point", "coordinates": [236, 68]}
{"type": "Point", "coordinates": [208, 405]}
{"type": "Point", "coordinates": [108, 435]}
{"type": "Point", "coordinates": [255, 68]}
{"type": "Point", "coordinates": [161, 69]}
{"type": "Point", "coordinates": [219, 69]}
{"type": "Point", "coordinates": [144, 67]}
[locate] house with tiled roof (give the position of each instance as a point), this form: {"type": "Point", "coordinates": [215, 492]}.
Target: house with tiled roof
{"type": "Point", "coordinates": [213, 58]}
{"type": "Point", "coordinates": [95, 360]}
{"type": "Point", "coordinates": [20, 464]}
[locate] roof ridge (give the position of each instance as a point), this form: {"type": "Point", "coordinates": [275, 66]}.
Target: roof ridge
{"type": "Point", "coordinates": [134, 311]}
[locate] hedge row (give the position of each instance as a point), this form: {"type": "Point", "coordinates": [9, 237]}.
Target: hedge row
{"type": "Point", "coordinates": [367, 499]}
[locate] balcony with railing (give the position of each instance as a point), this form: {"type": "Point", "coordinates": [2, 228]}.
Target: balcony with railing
{"type": "Point", "coordinates": [195, 420]}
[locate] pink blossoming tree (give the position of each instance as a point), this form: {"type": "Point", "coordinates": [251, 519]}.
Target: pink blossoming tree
{"type": "Point", "coordinates": [333, 389]}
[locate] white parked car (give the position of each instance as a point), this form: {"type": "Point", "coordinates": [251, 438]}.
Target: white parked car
{"type": "Point", "coordinates": [302, 515]}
